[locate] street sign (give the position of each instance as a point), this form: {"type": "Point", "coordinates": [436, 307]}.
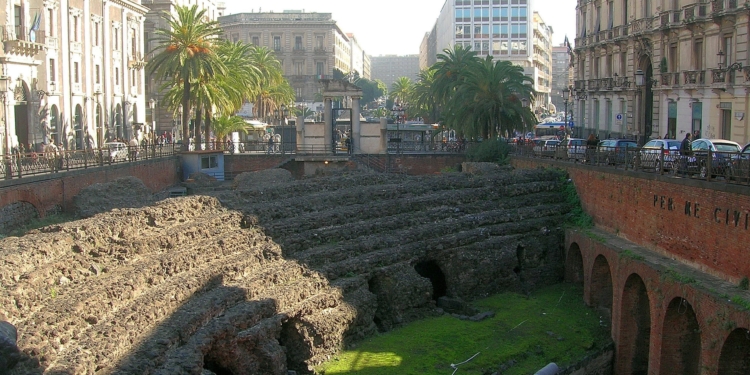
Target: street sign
{"type": "Point", "coordinates": [618, 119]}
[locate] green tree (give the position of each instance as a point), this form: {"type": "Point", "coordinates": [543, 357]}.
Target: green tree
{"type": "Point", "coordinates": [226, 124]}
{"type": "Point", "coordinates": [185, 53]}
{"type": "Point", "coordinates": [272, 75]}
{"type": "Point", "coordinates": [371, 90]}
{"type": "Point", "coordinates": [424, 103]}
{"type": "Point", "coordinates": [489, 100]}
{"type": "Point", "coordinates": [401, 90]}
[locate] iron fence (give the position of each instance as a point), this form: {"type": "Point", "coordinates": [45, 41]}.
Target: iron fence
{"type": "Point", "coordinates": [727, 167]}
{"type": "Point", "coordinates": [19, 165]}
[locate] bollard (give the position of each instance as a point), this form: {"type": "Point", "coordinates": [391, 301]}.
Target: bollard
{"type": "Point", "coordinates": [550, 369]}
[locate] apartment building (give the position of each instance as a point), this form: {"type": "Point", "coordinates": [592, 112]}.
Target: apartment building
{"type": "Point", "coordinates": [390, 68]}
{"type": "Point", "coordinates": [308, 45]}
{"type": "Point", "coordinates": [562, 76]}
{"type": "Point", "coordinates": [507, 30]}
{"type": "Point", "coordinates": [360, 61]}
{"type": "Point", "coordinates": [72, 72]}
{"type": "Point", "coordinates": [649, 69]}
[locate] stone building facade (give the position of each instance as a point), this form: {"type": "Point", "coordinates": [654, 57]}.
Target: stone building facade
{"type": "Point", "coordinates": [308, 45]}
{"type": "Point", "coordinates": [73, 71]}
{"type": "Point", "coordinates": [692, 58]}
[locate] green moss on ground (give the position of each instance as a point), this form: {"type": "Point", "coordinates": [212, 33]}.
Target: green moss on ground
{"type": "Point", "coordinates": [553, 325]}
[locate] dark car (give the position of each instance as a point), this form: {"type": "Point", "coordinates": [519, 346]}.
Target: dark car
{"type": "Point", "coordinates": [615, 151]}
{"type": "Point", "coordinates": [740, 168]}
{"type": "Point", "coordinates": [721, 151]}
{"type": "Point", "coordinates": [658, 154]}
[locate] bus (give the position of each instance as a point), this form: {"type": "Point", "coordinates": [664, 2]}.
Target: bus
{"type": "Point", "coordinates": [549, 130]}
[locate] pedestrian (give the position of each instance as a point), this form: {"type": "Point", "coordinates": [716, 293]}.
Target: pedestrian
{"type": "Point", "coordinates": [696, 134]}
{"type": "Point", "coordinates": [666, 136]}
{"type": "Point", "coordinates": [591, 144]}
{"type": "Point", "coordinates": [270, 144]}
{"type": "Point", "coordinates": [686, 151]}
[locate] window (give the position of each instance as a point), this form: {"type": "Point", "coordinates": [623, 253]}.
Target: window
{"type": "Point", "coordinates": [51, 21]}
{"type": "Point", "coordinates": [209, 162]}
{"type": "Point", "coordinates": [235, 37]}
{"type": "Point", "coordinates": [646, 8]}
{"type": "Point", "coordinates": [596, 115]}
{"type": "Point", "coordinates": [728, 57]}
{"type": "Point", "coordinates": [96, 33]}
{"type": "Point", "coordinates": [623, 64]}
{"type": "Point", "coordinates": [674, 58]}
{"type": "Point", "coordinates": [75, 72]}
{"type": "Point", "coordinates": [698, 54]}
{"type": "Point", "coordinates": [277, 43]}
{"type": "Point", "coordinates": [117, 76]}
{"type": "Point", "coordinates": [116, 40]}
{"type": "Point", "coordinates": [133, 44]}
{"type": "Point", "coordinates": [610, 15]}
{"type": "Point", "coordinates": [625, 12]}
{"type": "Point", "coordinates": [299, 68]}
{"type": "Point", "coordinates": [298, 43]}
{"type": "Point", "coordinates": [256, 41]}
{"type": "Point", "coordinates": [75, 28]}
{"type": "Point", "coordinates": [98, 76]}
{"type": "Point", "coordinates": [320, 68]}
{"type": "Point", "coordinates": [52, 70]}
{"type": "Point", "coordinates": [18, 21]}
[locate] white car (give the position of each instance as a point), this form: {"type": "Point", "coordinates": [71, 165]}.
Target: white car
{"type": "Point", "coordinates": [117, 151]}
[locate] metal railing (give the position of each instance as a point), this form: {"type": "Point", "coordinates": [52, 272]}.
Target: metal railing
{"type": "Point", "coordinates": [18, 165]}
{"type": "Point", "coordinates": [727, 167]}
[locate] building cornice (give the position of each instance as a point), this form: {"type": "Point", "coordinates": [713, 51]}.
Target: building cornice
{"type": "Point", "coordinates": [140, 9]}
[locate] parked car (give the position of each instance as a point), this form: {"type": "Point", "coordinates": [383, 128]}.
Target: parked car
{"type": "Point", "coordinates": [740, 168]}
{"type": "Point", "coordinates": [658, 154]}
{"type": "Point", "coordinates": [722, 153]}
{"type": "Point", "coordinates": [117, 151]}
{"type": "Point", "coordinates": [615, 151]}
{"type": "Point", "coordinates": [571, 149]}
{"type": "Point", "coordinates": [545, 147]}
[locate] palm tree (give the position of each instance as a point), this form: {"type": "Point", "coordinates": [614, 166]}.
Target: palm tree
{"type": "Point", "coordinates": [225, 125]}
{"type": "Point", "coordinates": [425, 104]}
{"type": "Point", "coordinates": [489, 99]}
{"type": "Point", "coordinates": [271, 75]}
{"type": "Point", "coordinates": [449, 70]}
{"type": "Point", "coordinates": [401, 90]}
{"type": "Point", "coordinates": [185, 53]}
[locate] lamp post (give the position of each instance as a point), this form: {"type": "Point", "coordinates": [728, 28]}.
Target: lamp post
{"type": "Point", "coordinates": [152, 106]}
{"type": "Point", "coordinates": [640, 81]}
{"type": "Point", "coordinates": [566, 95]}
{"type": "Point", "coordinates": [398, 112]}
{"type": "Point", "coordinates": [284, 116]}
{"type": "Point", "coordinates": [4, 83]}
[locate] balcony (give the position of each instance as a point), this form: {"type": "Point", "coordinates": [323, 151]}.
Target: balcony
{"type": "Point", "coordinates": [606, 84]}
{"type": "Point", "coordinates": [593, 85]}
{"type": "Point", "coordinates": [136, 62]}
{"type": "Point", "coordinates": [670, 79]}
{"type": "Point", "coordinates": [298, 50]}
{"type": "Point", "coordinates": [580, 85]}
{"type": "Point", "coordinates": [22, 41]}
{"type": "Point", "coordinates": [76, 47]}
{"type": "Point", "coordinates": [694, 78]}
{"type": "Point", "coordinates": [621, 83]}
{"type": "Point", "coordinates": [643, 25]}
{"type": "Point", "coordinates": [670, 18]}
{"type": "Point", "coordinates": [320, 50]}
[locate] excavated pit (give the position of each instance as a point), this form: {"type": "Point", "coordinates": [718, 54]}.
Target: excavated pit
{"type": "Point", "coordinates": [272, 278]}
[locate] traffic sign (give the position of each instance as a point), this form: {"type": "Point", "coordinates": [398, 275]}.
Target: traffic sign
{"type": "Point", "coordinates": [619, 116]}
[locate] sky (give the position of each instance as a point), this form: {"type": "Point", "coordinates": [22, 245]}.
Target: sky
{"type": "Point", "coordinates": [397, 27]}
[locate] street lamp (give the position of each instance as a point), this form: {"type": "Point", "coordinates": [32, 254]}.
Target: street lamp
{"type": "Point", "coordinates": [152, 106]}
{"type": "Point", "coordinates": [4, 84]}
{"type": "Point", "coordinates": [398, 112]}
{"type": "Point", "coordinates": [566, 95]}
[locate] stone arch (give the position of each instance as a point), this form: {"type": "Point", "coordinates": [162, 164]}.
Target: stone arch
{"type": "Point", "coordinates": [292, 337]}
{"type": "Point", "coordinates": [681, 340]}
{"type": "Point", "coordinates": [54, 125]}
{"type": "Point", "coordinates": [735, 354]}
{"type": "Point", "coordinates": [22, 112]}
{"type": "Point", "coordinates": [645, 115]}
{"type": "Point", "coordinates": [634, 329]}
{"type": "Point", "coordinates": [574, 265]}
{"type": "Point", "coordinates": [601, 288]}
{"type": "Point", "coordinates": [431, 270]}
{"type": "Point", "coordinates": [77, 128]}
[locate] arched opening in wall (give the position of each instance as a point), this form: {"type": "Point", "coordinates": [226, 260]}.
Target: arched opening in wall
{"type": "Point", "coordinates": [213, 364]}
{"type": "Point", "coordinates": [681, 340]}
{"type": "Point", "coordinates": [54, 125]}
{"type": "Point", "coordinates": [735, 354]}
{"type": "Point", "coordinates": [601, 288]}
{"type": "Point", "coordinates": [635, 329]}
{"type": "Point", "coordinates": [118, 122]}
{"type": "Point", "coordinates": [77, 140]}
{"type": "Point", "coordinates": [574, 265]}
{"type": "Point", "coordinates": [431, 270]}
{"type": "Point", "coordinates": [297, 349]}
{"type": "Point", "coordinates": [21, 112]}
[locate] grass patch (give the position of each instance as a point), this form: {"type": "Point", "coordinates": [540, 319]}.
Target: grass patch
{"type": "Point", "coordinates": [680, 278]}
{"type": "Point", "coordinates": [40, 223]}
{"type": "Point", "coordinates": [490, 151]}
{"type": "Point", "coordinates": [631, 255]}
{"type": "Point", "coordinates": [742, 302]}
{"type": "Point", "coordinates": [553, 325]}
{"type": "Point", "coordinates": [577, 218]}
